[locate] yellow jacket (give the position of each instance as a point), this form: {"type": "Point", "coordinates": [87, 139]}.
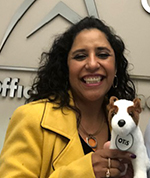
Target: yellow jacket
{"type": "Point", "coordinates": [43, 143]}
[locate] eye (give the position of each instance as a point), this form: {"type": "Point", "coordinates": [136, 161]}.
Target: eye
{"type": "Point", "coordinates": [79, 57]}
{"type": "Point", "coordinates": [103, 55]}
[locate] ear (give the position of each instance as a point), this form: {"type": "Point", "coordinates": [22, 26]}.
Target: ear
{"type": "Point", "coordinates": [137, 105]}
{"type": "Point", "coordinates": [111, 102]}
{"type": "Point", "coordinates": [111, 109]}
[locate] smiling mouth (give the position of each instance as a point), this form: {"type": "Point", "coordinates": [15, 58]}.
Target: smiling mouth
{"type": "Point", "coordinates": [92, 79]}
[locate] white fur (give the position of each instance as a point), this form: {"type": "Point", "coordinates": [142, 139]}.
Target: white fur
{"type": "Point", "coordinates": [141, 164]}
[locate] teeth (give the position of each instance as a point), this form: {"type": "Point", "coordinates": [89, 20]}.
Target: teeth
{"type": "Point", "coordinates": [89, 80]}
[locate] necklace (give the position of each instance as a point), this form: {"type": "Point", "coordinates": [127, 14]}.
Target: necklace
{"type": "Point", "coordinates": [91, 139]}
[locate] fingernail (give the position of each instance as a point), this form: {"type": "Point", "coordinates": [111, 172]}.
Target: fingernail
{"type": "Point", "coordinates": [133, 156]}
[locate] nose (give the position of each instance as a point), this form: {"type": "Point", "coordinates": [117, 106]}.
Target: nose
{"type": "Point", "coordinates": [121, 123]}
{"type": "Point", "coordinates": [92, 63]}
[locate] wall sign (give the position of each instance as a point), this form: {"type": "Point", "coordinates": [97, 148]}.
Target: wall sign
{"type": "Point", "coordinates": [10, 88]}
{"type": "Point", "coordinates": [145, 5]}
{"type": "Point", "coordinates": [60, 9]}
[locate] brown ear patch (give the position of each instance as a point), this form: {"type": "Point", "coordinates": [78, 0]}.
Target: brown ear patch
{"type": "Point", "coordinates": [111, 113]}
{"type": "Point", "coordinates": [112, 109]}
{"type": "Point", "coordinates": [137, 105]}
{"type": "Point", "coordinates": [135, 110]}
{"type": "Point", "coordinates": [111, 102]}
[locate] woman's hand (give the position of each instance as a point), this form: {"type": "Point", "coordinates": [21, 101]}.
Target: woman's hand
{"type": "Point", "coordinates": [111, 163]}
{"type": "Point", "coordinates": [129, 172]}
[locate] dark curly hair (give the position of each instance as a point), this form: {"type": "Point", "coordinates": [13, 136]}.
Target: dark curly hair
{"type": "Point", "coordinates": [52, 80]}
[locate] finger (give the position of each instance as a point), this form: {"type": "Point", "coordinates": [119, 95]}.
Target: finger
{"type": "Point", "coordinates": [115, 153]}
{"type": "Point", "coordinates": [122, 155]}
{"type": "Point", "coordinates": [102, 164]}
{"type": "Point", "coordinates": [129, 172]}
{"type": "Point", "coordinates": [112, 171]}
{"type": "Point", "coordinates": [115, 163]}
{"type": "Point", "coordinates": [106, 145]}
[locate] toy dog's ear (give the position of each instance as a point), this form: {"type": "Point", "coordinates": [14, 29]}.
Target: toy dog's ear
{"type": "Point", "coordinates": [137, 105]}
{"type": "Point", "coordinates": [135, 110]}
{"type": "Point", "coordinates": [111, 102]}
{"type": "Point", "coordinates": [112, 110]}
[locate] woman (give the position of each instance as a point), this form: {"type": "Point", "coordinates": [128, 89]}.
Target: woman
{"type": "Point", "coordinates": [63, 131]}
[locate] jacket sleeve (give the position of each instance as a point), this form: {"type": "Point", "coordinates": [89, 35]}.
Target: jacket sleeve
{"type": "Point", "coordinates": [21, 155]}
{"type": "Point", "coordinates": [77, 169]}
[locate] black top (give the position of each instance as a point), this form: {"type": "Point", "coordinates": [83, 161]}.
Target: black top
{"type": "Point", "coordinates": [86, 147]}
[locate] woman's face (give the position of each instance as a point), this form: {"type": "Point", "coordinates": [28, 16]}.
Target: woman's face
{"type": "Point", "coordinates": [91, 63]}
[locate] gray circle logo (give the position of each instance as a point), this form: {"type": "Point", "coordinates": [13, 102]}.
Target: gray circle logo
{"type": "Point", "coordinates": [124, 143]}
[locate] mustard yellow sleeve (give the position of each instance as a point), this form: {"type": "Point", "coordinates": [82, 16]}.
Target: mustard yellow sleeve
{"type": "Point", "coordinates": [21, 156]}
{"type": "Point", "coordinates": [77, 169]}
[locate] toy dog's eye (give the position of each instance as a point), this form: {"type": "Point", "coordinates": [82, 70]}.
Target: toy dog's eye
{"type": "Point", "coordinates": [131, 113]}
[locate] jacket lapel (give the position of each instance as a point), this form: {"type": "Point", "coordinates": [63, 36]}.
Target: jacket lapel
{"type": "Point", "coordinates": [67, 145]}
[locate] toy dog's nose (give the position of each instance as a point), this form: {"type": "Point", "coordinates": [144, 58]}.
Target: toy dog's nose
{"type": "Point", "coordinates": [121, 123]}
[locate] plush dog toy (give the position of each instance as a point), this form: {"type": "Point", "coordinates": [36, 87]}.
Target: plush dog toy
{"type": "Point", "coordinates": [126, 135]}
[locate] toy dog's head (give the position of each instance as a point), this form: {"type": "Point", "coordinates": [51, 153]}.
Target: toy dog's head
{"type": "Point", "coordinates": [123, 115]}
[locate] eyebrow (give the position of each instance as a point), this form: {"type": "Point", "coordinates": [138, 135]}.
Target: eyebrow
{"type": "Point", "coordinates": [104, 48]}
{"type": "Point", "coordinates": [98, 48]}
{"type": "Point", "coordinates": [78, 50]}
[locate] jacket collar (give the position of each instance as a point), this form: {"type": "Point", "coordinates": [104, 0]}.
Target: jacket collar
{"type": "Point", "coordinates": [60, 121]}
{"type": "Point", "coordinates": [63, 123]}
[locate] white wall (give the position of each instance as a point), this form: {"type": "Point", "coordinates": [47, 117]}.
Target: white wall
{"type": "Point", "coordinates": [128, 18]}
